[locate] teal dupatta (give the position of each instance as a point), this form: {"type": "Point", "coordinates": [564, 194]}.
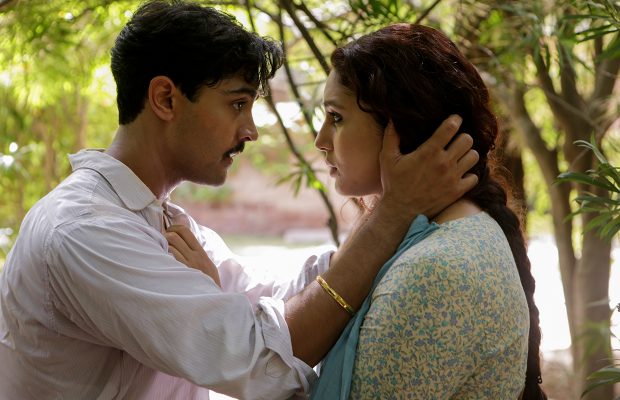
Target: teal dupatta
{"type": "Point", "coordinates": [337, 369]}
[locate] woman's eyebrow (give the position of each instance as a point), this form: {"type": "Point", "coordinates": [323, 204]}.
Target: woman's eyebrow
{"type": "Point", "coordinates": [332, 103]}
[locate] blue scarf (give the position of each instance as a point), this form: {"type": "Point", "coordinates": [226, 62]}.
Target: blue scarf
{"type": "Point", "coordinates": [337, 369]}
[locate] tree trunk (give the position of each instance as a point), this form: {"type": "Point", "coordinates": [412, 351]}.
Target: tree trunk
{"type": "Point", "coordinates": [82, 122]}
{"type": "Point", "coordinates": [512, 163]}
{"type": "Point", "coordinates": [49, 157]}
{"type": "Point", "coordinates": [591, 339]}
{"type": "Point", "coordinates": [576, 115]}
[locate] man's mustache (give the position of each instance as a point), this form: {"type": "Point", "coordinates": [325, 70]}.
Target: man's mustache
{"type": "Point", "coordinates": [236, 150]}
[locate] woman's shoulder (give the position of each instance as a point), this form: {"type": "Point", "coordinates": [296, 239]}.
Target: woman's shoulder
{"type": "Point", "coordinates": [464, 258]}
{"type": "Point", "coordinates": [469, 253]}
{"type": "Point", "coordinates": [467, 238]}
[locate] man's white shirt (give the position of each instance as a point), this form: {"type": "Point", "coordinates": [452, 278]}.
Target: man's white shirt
{"type": "Point", "coordinates": [94, 307]}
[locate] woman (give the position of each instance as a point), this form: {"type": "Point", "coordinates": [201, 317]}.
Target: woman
{"type": "Point", "coordinates": [453, 316]}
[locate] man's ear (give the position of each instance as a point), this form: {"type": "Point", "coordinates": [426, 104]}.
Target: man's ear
{"type": "Point", "coordinates": [161, 97]}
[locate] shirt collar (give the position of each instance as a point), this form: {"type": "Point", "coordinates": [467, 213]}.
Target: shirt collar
{"type": "Point", "coordinates": [130, 189]}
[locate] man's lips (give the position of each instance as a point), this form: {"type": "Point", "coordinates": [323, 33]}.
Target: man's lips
{"type": "Point", "coordinates": [235, 150]}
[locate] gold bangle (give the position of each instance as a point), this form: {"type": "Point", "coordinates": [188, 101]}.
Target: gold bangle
{"type": "Point", "coordinates": [335, 295]}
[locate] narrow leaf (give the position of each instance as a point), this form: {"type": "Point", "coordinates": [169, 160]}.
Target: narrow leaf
{"type": "Point", "coordinates": [597, 221]}
{"type": "Point", "coordinates": [585, 179]}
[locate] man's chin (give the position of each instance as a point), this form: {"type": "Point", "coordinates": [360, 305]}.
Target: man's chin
{"type": "Point", "coordinates": [211, 180]}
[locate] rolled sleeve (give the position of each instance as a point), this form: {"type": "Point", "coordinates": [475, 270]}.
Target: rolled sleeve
{"type": "Point", "coordinates": [277, 338]}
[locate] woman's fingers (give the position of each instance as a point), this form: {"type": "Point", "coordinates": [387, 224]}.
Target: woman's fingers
{"type": "Point", "coordinates": [186, 235]}
{"type": "Point", "coordinates": [175, 240]}
{"type": "Point", "coordinates": [177, 255]}
{"type": "Point", "coordinates": [186, 249]}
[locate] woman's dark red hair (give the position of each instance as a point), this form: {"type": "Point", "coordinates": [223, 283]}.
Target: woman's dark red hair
{"type": "Point", "coordinates": [416, 77]}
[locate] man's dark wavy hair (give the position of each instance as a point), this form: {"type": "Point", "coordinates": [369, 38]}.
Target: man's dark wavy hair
{"type": "Point", "coordinates": [193, 45]}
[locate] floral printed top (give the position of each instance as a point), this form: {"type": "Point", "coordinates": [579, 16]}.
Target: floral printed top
{"type": "Point", "coordinates": [449, 320]}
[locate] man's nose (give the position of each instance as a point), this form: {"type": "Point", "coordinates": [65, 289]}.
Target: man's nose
{"type": "Point", "coordinates": [248, 131]}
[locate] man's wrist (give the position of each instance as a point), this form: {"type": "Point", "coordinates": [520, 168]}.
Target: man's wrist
{"type": "Point", "coordinates": [393, 209]}
{"type": "Point", "coordinates": [388, 217]}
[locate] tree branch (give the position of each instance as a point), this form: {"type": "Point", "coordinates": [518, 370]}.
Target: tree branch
{"type": "Point", "coordinates": [271, 16]}
{"type": "Point", "coordinates": [248, 9]}
{"type": "Point", "coordinates": [288, 6]}
{"type": "Point", "coordinates": [6, 3]}
{"type": "Point", "coordinates": [546, 83]}
{"type": "Point", "coordinates": [606, 74]}
{"type": "Point", "coordinates": [513, 101]}
{"type": "Point", "coordinates": [333, 222]}
{"type": "Point", "coordinates": [319, 24]}
{"type": "Point", "coordinates": [574, 120]}
{"type": "Point", "coordinates": [568, 80]}
{"type": "Point", "coordinates": [598, 47]}
{"type": "Point", "coordinates": [426, 12]}
{"type": "Point", "coordinates": [293, 85]}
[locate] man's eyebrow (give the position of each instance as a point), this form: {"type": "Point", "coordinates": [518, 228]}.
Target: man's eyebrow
{"type": "Point", "coordinates": [250, 91]}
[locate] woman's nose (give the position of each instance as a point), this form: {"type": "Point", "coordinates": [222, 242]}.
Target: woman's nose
{"type": "Point", "coordinates": [322, 141]}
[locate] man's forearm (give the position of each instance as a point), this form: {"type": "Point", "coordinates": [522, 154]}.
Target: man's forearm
{"type": "Point", "coordinates": [314, 318]}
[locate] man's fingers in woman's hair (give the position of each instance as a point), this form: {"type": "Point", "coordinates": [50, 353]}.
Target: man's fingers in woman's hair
{"type": "Point", "coordinates": [459, 146]}
{"type": "Point", "coordinates": [468, 161]}
{"type": "Point", "coordinates": [443, 135]}
{"type": "Point", "coordinates": [468, 182]}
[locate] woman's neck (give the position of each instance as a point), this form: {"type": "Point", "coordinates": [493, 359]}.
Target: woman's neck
{"type": "Point", "coordinates": [459, 209]}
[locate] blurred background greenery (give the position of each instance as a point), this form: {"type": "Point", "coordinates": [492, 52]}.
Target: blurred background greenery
{"type": "Point", "coordinates": [552, 67]}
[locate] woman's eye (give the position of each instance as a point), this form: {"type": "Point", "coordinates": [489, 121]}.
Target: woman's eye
{"type": "Point", "coordinates": [239, 105]}
{"type": "Point", "coordinates": [336, 118]}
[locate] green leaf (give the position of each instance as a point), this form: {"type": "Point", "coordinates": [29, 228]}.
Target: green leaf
{"type": "Point", "coordinates": [597, 221]}
{"type": "Point", "coordinates": [594, 148]}
{"type": "Point", "coordinates": [612, 51]}
{"type": "Point", "coordinates": [610, 372]}
{"type": "Point", "coordinates": [610, 230]}
{"type": "Point", "coordinates": [604, 376]}
{"type": "Point", "coordinates": [603, 202]}
{"type": "Point", "coordinates": [578, 177]}
{"type": "Point", "coordinates": [297, 184]}
{"type": "Point", "coordinates": [612, 172]}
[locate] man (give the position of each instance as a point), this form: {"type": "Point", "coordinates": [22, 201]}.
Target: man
{"type": "Point", "coordinates": [93, 305]}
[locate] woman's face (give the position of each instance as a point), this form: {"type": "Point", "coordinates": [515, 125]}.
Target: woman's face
{"type": "Point", "coordinates": [351, 140]}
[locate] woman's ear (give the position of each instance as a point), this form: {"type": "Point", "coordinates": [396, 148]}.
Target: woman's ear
{"type": "Point", "coordinates": [160, 97]}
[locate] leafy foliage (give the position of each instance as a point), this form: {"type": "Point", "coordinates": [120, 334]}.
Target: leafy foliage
{"type": "Point", "coordinates": [607, 222]}
{"type": "Point", "coordinates": [54, 98]}
{"type": "Point", "coordinates": [607, 208]}
{"type": "Point", "coordinates": [605, 376]}
{"type": "Point", "coordinates": [56, 93]}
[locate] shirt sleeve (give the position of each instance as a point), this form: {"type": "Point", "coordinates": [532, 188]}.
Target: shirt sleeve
{"type": "Point", "coordinates": [238, 277]}
{"type": "Point", "coordinates": [115, 282]}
